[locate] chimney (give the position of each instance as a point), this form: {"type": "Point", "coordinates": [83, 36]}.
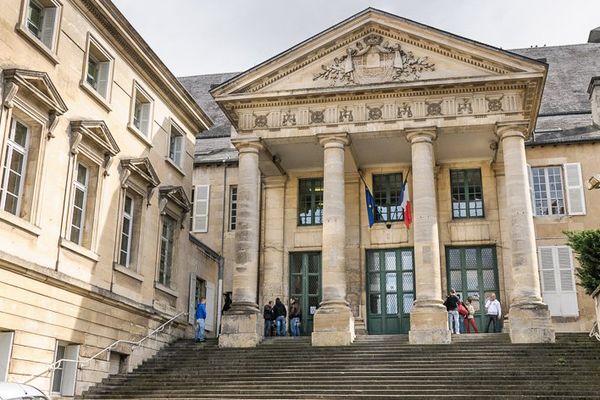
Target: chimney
{"type": "Point", "coordinates": [594, 36]}
{"type": "Point", "coordinates": [594, 92]}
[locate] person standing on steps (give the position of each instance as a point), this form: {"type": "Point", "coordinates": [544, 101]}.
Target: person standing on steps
{"type": "Point", "coordinates": [470, 320]}
{"type": "Point", "coordinates": [268, 316]}
{"type": "Point", "coordinates": [200, 320]}
{"type": "Point", "coordinates": [451, 304]}
{"type": "Point", "coordinates": [462, 314]}
{"type": "Point", "coordinates": [493, 310]}
{"type": "Point", "coordinates": [295, 317]}
{"type": "Point", "coordinates": [280, 313]}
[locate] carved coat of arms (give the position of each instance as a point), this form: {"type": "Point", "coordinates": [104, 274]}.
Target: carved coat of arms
{"type": "Point", "coordinates": [374, 61]}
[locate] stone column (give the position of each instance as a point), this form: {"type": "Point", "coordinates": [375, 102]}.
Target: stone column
{"type": "Point", "coordinates": [333, 321]}
{"type": "Point", "coordinates": [242, 324]}
{"type": "Point", "coordinates": [428, 318]}
{"type": "Point", "coordinates": [272, 274]}
{"type": "Point", "coordinates": [529, 317]}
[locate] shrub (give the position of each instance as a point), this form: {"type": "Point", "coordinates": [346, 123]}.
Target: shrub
{"type": "Point", "coordinates": [586, 245]}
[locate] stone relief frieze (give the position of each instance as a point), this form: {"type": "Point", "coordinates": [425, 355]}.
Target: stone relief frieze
{"type": "Point", "coordinates": [260, 121]}
{"type": "Point", "coordinates": [346, 115]}
{"type": "Point", "coordinates": [317, 117]}
{"type": "Point", "coordinates": [466, 107]}
{"type": "Point", "coordinates": [374, 113]}
{"type": "Point", "coordinates": [434, 108]}
{"type": "Point", "coordinates": [288, 119]}
{"type": "Point", "coordinates": [405, 111]}
{"type": "Point", "coordinates": [494, 104]}
{"type": "Point", "coordinates": [374, 60]}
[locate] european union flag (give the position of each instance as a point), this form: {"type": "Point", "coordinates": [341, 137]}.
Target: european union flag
{"type": "Point", "coordinates": [371, 206]}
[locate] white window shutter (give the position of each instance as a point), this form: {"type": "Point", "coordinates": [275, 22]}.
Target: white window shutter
{"type": "Point", "coordinates": [201, 202]}
{"type": "Point", "coordinates": [547, 275]}
{"type": "Point", "coordinates": [210, 306]}
{"type": "Point", "coordinates": [566, 278]}
{"type": "Point", "coordinates": [531, 192]}
{"type": "Point", "coordinates": [574, 188]}
{"type": "Point", "coordinates": [192, 299]}
{"type": "Point", "coordinates": [103, 74]}
{"type": "Point", "coordinates": [48, 24]}
{"type": "Point", "coordinates": [69, 377]}
{"type": "Point", "coordinates": [145, 119]}
{"type": "Point", "coordinates": [177, 152]}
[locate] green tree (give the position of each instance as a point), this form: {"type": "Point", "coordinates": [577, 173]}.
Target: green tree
{"type": "Point", "coordinates": [586, 245]}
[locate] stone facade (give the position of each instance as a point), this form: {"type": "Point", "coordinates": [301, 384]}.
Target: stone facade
{"type": "Point", "coordinates": [101, 125]}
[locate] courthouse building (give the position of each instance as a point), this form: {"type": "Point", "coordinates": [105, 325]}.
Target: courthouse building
{"type": "Point", "coordinates": [495, 146]}
{"type": "Point", "coordinates": [96, 146]}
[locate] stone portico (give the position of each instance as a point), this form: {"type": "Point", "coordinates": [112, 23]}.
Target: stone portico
{"type": "Point", "coordinates": [379, 93]}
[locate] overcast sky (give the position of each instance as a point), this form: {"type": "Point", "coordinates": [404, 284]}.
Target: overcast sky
{"type": "Point", "coordinates": [206, 36]}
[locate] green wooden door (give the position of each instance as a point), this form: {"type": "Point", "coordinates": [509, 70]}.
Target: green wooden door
{"type": "Point", "coordinates": [390, 290]}
{"type": "Point", "coordinates": [305, 285]}
{"type": "Point", "coordinates": [473, 272]}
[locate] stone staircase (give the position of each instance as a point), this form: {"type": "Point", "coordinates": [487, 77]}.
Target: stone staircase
{"type": "Point", "coordinates": [485, 366]}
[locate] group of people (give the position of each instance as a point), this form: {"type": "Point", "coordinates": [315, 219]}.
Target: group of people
{"type": "Point", "coordinates": [275, 318]}
{"type": "Point", "coordinates": [461, 315]}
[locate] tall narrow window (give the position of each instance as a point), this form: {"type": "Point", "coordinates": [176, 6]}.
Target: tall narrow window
{"type": "Point", "coordinates": [548, 191]}
{"type": "Point", "coordinates": [78, 209]}
{"type": "Point", "coordinates": [201, 208]}
{"type": "Point", "coordinates": [15, 162]}
{"type": "Point", "coordinates": [176, 145]}
{"type": "Point", "coordinates": [98, 71]}
{"type": "Point", "coordinates": [127, 231]}
{"type": "Point", "coordinates": [64, 376]}
{"type": "Point", "coordinates": [386, 191]}
{"type": "Point", "coordinates": [232, 207]}
{"type": "Point", "coordinates": [310, 201]}
{"type": "Point", "coordinates": [41, 21]}
{"type": "Point", "coordinates": [467, 193]}
{"type": "Point", "coordinates": [58, 372]}
{"type": "Point", "coordinates": [141, 113]}
{"type": "Point", "coordinates": [166, 250]}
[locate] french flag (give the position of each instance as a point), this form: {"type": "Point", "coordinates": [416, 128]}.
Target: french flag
{"type": "Point", "coordinates": [405, 204]}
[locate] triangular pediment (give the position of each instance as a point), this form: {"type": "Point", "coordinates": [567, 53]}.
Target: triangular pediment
{"type": "Point", "coordinates": [374, 48]}
{"type": "Point", "coordinates": [95, 133]}
{"type": "Point", "coordinates": [177, 195]}
{"type": "Point", "coordinates": [39, 85]}
{"type": "Point", "coordinates": [143, 168]}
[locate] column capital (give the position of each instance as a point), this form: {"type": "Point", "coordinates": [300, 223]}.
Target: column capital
{"type": "Point", "coordinates": [275, 182]}
{"type": "Point", "coordinates": [333, 139]}
{"type": "Point", "coordinates": [512, 129]}
{"type": "Point", "coordinates": [250, 144]}
{"type": "Point", "coordinates": [420, 135]}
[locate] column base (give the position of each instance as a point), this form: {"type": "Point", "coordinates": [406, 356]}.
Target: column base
{"type": "Point", "coordinates": [333, 325]}
{"type": "Point", "coordinates": [530, 323]}
{"type": "Point", "coordinates": [429, 324]}
{"type": "Point", "coordinates": [242, 326]}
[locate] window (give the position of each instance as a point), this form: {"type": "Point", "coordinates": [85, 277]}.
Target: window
{"type": "Point", "coordinates": [14, 168]}
{"type": "Point", "coordinates": [126, 231]}
{"type": "Point", "coordinates": [310, 201]}
{"type": "Point", "coordinates": [232, 207]}
{"type": "Point", "coordinates": [78, 208]}
{"type": "Point", "coordinates": [40, 24]}
{"type": "Point", "coordinates": [6, 342]}
{"type": "Point", "coordinates": [386, 192]}
{"type": "Point", "coordinates": [166, 250]}
{"type": "Point", "coordinates": [548, 191]}
{"type": "Point", "coordinates": [176, 145]}
{"type": "Point", "coordinates": [141, 112]}
{"type": "Point", "coordinates": [558, 280]}
{"type": "Point", "coordinates": [65, 375]}
{"type": "Point", "coordinates": [200, 212]}
{"type": "Point", "coordinates": [467, 193]}
{"type": "Point", "coordinates": [98, 69]}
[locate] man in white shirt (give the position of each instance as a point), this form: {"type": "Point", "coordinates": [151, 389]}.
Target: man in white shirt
{"type": "Point", "coordinates": [493, 312]}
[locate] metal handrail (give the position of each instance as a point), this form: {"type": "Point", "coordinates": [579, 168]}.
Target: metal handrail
{"type": "Point", "coordinates": [134, 344]}
{"type": "Point", "coordinates": [595, 331]}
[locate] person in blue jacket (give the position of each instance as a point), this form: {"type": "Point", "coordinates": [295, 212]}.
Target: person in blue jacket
{"type": "Point", "coordinates": [200, 320]}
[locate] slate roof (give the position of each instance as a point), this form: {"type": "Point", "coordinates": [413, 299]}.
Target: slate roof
{"type": "Point", "coordinates": [565, 112]}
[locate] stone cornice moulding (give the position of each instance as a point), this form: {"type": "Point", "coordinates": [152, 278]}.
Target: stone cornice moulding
{"type": "Point", "coordinates": [131, 46]}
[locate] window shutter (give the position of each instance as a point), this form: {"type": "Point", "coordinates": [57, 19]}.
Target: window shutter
{"type": "Point", "coordinates": [177, 152]}
{"type": "Point", "coordinates": [192, 299]}
{"type": "Point", "coordinates": [574, 188]}
{"type": "Point", "coordinates": [201, 201]}
{"type": "Point", "coordinates": [558, 281]}
{"type": "Point", "coordinates": [69, 377]}
{"type": "Point", "coordinates": [531, 192]}
{"type": "Point", "coordinates": [568, 290]}
{"type": "Point", "coordinates": [48, 24]}
{"type": "Point", "coordinates": [145, 119]}
{"type": "Point", "coordinates": [546, 261]}
{"type": "Point", "coordinates": [210, 306]}
{"type": "Point", "coordinates": [103, 72]}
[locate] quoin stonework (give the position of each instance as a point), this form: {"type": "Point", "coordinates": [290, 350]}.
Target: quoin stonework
{"type": "Point", "coordinates": [127, 194]}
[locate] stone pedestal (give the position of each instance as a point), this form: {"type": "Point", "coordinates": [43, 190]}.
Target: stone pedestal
{"type": "Point", "coordinates": [529, 317]}
{"type": "Point", "coordinates": [242, 324]}
{"type": "Point", "coordinates": [333, 321]}
{"type": "Point", "coordinates": [428, 318]}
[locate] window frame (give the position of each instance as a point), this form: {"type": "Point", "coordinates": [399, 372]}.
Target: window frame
{"type": "Point", "coordinates": [467, 192]}
{"type": "Point", "coordinates": [144, 136]}
{"type": "Point", "coordinates": [313, 201]}
{"type": "Point", "coordinates": [10, 148]}
{"type": "Point", "coordinates": [103, 100]}
{"type": "Point", "coordinates": [196, 228]}
{"type": "Point", "coordinates": [547, 191]}
{"type": "Point", "coordinates": [387, 190]}
{"type": "Point", "coordinates": [47, 49]}
{"type": "Point", "coordinates": [83, 187]}
{"type": "Point", "coordinates": [559, 297]}
{"type": "Point", "coordinates": [180, 138]}
{"type": "Point", "coordinates": [165, 272]}
{"type": "Point", "coordinates": [232, 208]}
{"type": "Point", "coordinates": [130, 217]}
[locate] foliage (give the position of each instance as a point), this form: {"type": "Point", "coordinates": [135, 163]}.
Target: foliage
{"type": "Point", "coordinates": [586, 245]}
